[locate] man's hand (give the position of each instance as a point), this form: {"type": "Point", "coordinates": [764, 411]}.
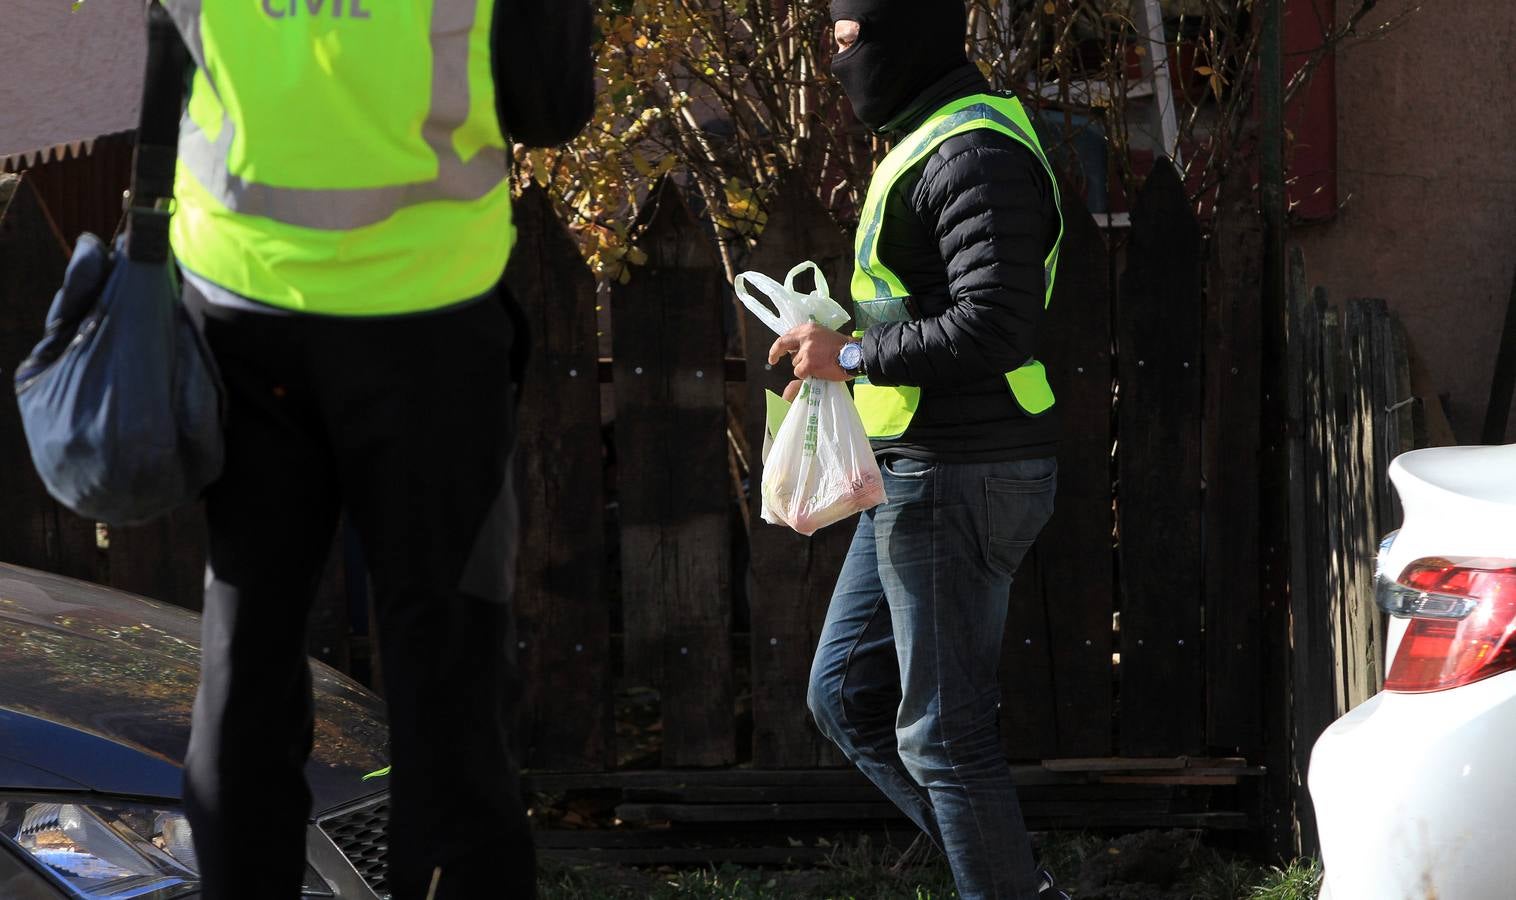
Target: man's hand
{"type": "Point", "coordinates": [814, 350]}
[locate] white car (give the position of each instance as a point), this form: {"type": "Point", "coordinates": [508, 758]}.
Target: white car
{"type": "Point", "coordinates": [1415, 790]}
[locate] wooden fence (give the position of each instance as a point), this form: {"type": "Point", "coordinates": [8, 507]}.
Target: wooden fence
{"type": "Point", "coordinates": [1132, 633]}
{"type": "Point", "coordinates": [1137, 626]}
{"type": "Point", "coordinates": [1350, 392]}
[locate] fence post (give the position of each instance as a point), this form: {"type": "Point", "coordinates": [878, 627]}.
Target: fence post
{"type": "Point", "coordinates": [1329, 477]}
{"type": "Point", "coordinates": [563, 626]}
{"type": "Point", "coordinates": [1312, 699]}
{"type": "Point", "coordinates": [790, 577]}
{"type": "Point", "coordinates": [1232, 434]}
{"type": "Point", "coordinates": [1158, 361]}
{"type": "Point", "coordinates": [1363, 677]}
{"type": "Point", "coordinates": [673, 481]}
{"type": "Point", "coordinates": [1056, 658]}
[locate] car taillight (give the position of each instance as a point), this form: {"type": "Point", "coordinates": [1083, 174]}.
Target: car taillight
{"type": "Point", "coordinates": [1463, 616]}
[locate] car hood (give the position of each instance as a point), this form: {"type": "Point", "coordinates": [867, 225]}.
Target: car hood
{"type": "Point", "coordinates": [96, 689]}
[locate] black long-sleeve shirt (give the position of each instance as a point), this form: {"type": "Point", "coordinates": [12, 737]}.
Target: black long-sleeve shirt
{"type": "Point", "coordinates": [967, 231]}
{"type": "Point", "coordinates": [544, 73]}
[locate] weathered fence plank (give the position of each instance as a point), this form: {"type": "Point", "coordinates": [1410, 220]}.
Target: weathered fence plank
{"type": "Point", "coordinates": [563, 626]}
{"type": "Point", "coordinates": [1413, 425]}
{"type": "Point", "coordinates": [1404, 417]}
{"type": "Point", "coordinates": [790, 577]}
{"type": "Point", "coordinates": [1298, 355]}
{"type": "Point", "coordinates": [1329, 480]}
{"type": "Point", "coordinates": [1233, 407]}
{"type": "Point", "coordinates": [1364, 629]}
{"type": "Point", "coordinates": [673, 482]}
{"type": "Point", "coordinates": [1312, 699]}
{"type": "Point", "coordinates": [1074, 566]}
{"type": "Point", "coordinates": [1029, 699]}
{"type": "Point", "coordinates": [1158, 363]}
{"type": "Point", "coordinates": [1384, 396]}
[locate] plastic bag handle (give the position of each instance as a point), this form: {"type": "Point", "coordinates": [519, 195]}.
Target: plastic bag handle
{"type": "Point", "coordinates": [822, 287]}
{"type": "Point", "coordinates": [768, 316]}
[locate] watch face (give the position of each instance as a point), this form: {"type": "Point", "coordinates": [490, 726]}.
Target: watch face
{"type": "Point", "coordinates": [851, 356]}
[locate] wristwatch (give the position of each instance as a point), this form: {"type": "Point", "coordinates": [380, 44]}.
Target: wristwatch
{"type": "Point", "coordinates": [850, 358]}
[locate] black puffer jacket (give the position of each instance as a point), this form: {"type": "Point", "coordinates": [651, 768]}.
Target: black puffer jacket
{"type": "Point", "coordinates": [967, 230]}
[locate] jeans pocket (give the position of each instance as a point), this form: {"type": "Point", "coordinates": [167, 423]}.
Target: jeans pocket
{"type": "Point", "coordinates": [905, 468]}
{"type": "Point", "coordinates": [1017, 509]}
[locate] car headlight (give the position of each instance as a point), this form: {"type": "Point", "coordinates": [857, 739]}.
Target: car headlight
{"type": "Point", "coordinates": [102, 849]}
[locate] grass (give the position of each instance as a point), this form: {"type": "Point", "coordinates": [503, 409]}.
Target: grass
{"type": "Point", "coordinates": [1301, 881]}
{"type": "Point", "coordinates": [857, 873]}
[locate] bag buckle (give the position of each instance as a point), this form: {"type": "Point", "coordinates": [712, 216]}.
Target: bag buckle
{"type": "Point", "coordinates": [161, 206]}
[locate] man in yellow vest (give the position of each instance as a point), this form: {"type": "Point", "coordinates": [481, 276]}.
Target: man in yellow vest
{"type": "Point", "coordinates": [956, 254]}
{"type": "Point", "coordinates": [343, 220]}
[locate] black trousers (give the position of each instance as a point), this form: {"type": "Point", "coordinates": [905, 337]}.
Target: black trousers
{"type": "Point", "coordinates": [407, 424]}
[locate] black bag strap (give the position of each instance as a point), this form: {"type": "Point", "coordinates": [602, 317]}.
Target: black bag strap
{"type": "Point", "coordinates": [150, 203]}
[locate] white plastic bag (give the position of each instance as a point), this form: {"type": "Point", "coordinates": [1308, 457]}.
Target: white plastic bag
{"type": "Point", "coordinates": [821, 468]}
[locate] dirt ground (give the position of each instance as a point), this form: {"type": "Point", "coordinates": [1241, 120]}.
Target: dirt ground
{"type": "Point", "coordinates": [1151, 865]}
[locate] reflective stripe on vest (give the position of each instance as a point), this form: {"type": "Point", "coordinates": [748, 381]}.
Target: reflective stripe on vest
{"type": "Point", "coordinates": [343, 156]}
{"type": "Point", "coordinates": [880, 295]}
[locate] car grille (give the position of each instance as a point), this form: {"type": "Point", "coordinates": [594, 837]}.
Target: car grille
{"type": "Point", "coordinates": [359, 834]}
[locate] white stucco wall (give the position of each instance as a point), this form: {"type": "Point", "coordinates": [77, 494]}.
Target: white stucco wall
{"type": "Point", "coordinates": [68, 76]}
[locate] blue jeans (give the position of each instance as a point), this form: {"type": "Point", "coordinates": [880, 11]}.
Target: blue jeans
{"type": "Point", "coordinates": [905, 678]}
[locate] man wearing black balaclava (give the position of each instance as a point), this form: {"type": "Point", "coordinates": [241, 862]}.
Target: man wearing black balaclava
{"type": "Point", "coordinates": [956, 258]}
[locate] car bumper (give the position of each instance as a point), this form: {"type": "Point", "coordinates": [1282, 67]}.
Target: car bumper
{"type": "Point", "coordinates": [345, 846]}
{"type": "Point", "coordinates": [1412, 795]}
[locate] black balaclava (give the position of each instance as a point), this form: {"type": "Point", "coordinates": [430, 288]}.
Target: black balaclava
{"type": "Point", "coordinates": [903, 47]}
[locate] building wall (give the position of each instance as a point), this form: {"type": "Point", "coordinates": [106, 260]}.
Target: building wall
{"type": "Point", "coordinates": [68, 76]}
{"type": "Point", "coordinates": [1427, 169]}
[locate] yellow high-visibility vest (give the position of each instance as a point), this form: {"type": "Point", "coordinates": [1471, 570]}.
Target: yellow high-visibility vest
{"type": "Point", "coordinates": [342, 157]}
{"type": "Point", "coordinates": [879, 294]}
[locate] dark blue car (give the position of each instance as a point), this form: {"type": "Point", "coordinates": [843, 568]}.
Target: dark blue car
{"type": "Point", "coordinates": [96, 688]}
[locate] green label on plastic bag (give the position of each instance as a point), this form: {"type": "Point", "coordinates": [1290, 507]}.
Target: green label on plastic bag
{"type": "Point", "coordinates": [811, 394]}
